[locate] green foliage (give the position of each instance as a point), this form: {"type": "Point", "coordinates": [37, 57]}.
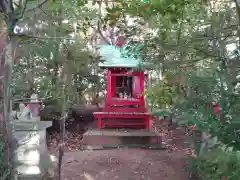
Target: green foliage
{"type": "Point", "coordinates": [161, 95]}
{"type": "Point", "coordinates": [197, 108]}
{"type": "Point", "coordinates": [219, 164]}
{"type": "Point", "coordinates": [48, 51]}
{"type": "Point", "coordinates": [187, 37]}
{"type": "Point", "coordinates": [3, 165]}
{"type": "Point", "coordinates": [146, 10]}
{"type": "Point", "coordinates": [192, 38]}
{"type": "Point", "coordinates": [203, 91]}
{"type": "Point", "coordinates": [162, 113]}
{"type": "Point", "coordinates": [82, 2]}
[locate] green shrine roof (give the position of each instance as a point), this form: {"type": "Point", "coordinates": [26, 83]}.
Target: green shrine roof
{"type": "Point", "coordinates": [114, 56]}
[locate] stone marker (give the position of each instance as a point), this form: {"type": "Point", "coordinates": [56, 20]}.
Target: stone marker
{"type": "Point", "coordinates": [32, 158]}
{"type": "Point", "coordinates": [31, 155]}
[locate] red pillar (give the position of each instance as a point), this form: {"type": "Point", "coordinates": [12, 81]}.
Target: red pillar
{"type": "Point", "coordinates": [147, 121]}
{"type": "Point", "coordinates": [109, 87]}
{"type": "Point", "coordinates": [141, 76]}
{"type": "Point", "coordinates": [113, 86]}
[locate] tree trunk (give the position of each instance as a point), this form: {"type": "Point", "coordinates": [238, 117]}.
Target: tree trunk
{"type": "Point", "coordinates": [7, 104]}
{"type": "Point", "coordinates": [2, 54]}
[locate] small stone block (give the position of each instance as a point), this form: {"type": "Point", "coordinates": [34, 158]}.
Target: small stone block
{"type": "Point", "coordinates": [25, 172]}
{"type": "Point", "coordinates": [120, 138]}
{"type": "Point", "coordinates": [29, 125]}
{"type": "Point", "coordinates": [117, 132]}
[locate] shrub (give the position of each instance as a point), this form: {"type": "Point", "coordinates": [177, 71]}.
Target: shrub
{"type": "Point", "coordinates": [3, 165]}
{"type": "Point", "coordinates": [219, 165]}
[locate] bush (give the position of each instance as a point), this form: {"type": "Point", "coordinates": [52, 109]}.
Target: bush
{"type": "Point", "coordinates": [3, 165]}
{"type": "Point", "coordinates": [160, 95]}
{"type": "Point", "coordinates": [219, 165]}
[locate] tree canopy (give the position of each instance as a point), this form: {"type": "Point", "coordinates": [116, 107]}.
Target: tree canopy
{"type": "Point", "coordinates": [193, 44]}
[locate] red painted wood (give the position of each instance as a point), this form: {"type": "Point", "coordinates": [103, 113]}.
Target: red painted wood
{"type": "Point", "coordinates": [124, 109]}
{"type": "Point", "coordinates": [99, 122]}
{"type": "Point", "coordinates": [101, 115]}
{"type": "Point", "coordinates": [113, 86]}
{"type": "Point", "coordinates": [109, 86]}
{"type": "Point", "coordinates": [127, 74]}
{"type": "Point", "coordinates": [216, 108]}
{"type": "Point", "coordinates": [124, 123]}
{"type": "Point", "coordinates": [120, 42]}
{"type": "Point", "coordinates": [142, 87]}
{"type": "Point", "coordinates": [147, 121]}
{"type": "Point", "coordinates": [126, 115]}
{"type": "Point", "coordinates": [124, 102]}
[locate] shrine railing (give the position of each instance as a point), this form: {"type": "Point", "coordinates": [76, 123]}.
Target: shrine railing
{"type": "Point", "coordinates": [120, 101]}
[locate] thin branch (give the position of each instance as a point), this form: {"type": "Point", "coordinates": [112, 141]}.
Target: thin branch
{"type": "Point", "coordinates": [42, 37]}
{"type": "Point", "coordinates": [98, 30]}
{"type": "Point", "coordinates": [187, 61]}
{"type": "Point", "coordinates": [44, 12]}
{"type": "Point", "coordinates": [101, 34]}
{"type": "Point", "coordinates": [24, 9]}
{"type": "Point", "coordinates": [22, 99]}
{"type": "Point", "coordinates": [38, 6]}
{"type": "Point", "coordinates": [231, 26]}
{"type": "Point", "coordinates": [99, 23]}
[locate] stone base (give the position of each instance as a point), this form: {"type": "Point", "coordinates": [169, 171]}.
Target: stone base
{"type": "Point", "coordinates": [31, 125]}
{"type": "Point", "coordinates": [114, 138]}
{"type": "Point", "coordinates": [32, 159]}
{"type": "Point", "coordinates": [27, 173]}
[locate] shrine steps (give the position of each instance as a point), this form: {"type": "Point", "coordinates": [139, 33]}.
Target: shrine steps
{"type": "Point", "coordinates": [122, 119]}
{"type": "Point", "coordinates": [130, 123]}
{"type": "Point", "coordinates": [95, 139]}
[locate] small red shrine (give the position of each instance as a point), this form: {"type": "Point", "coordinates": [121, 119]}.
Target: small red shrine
{"type": "Point", "coordinates": [125, 104]}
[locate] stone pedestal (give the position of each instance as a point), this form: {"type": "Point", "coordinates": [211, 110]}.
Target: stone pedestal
{"type": "Point", "coordinates": [31, 155]}
{"type": "Point", "coordinates": [95, 139]}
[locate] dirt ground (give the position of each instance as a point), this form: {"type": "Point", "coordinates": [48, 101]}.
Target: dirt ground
{"type": "Point", "coordinates": [127, 164]}
{"type": "Point", "coordinates": [124, 164]}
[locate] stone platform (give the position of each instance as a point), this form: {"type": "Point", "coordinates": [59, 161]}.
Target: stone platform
{"type": "Point", "coordinates": [95, 139]}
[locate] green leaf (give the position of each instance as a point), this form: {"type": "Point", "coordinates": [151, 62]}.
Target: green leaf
{"type": "Point", "coordinates": [82, 2]}
{"type": "Point", "coordinates": [162, 113]}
